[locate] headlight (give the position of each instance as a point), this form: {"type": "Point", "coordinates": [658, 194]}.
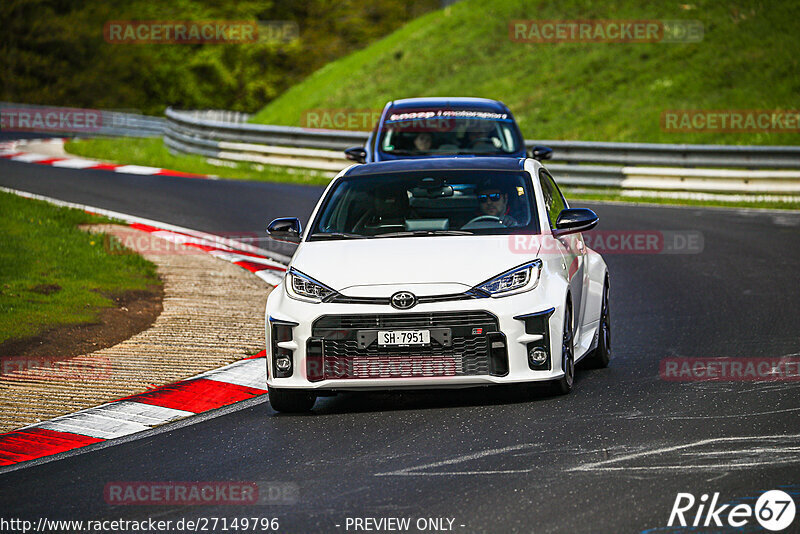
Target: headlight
{"type": "Point", "coordinates": [519, 279]}
{"type": "Point", "coordinates": [302, 287]}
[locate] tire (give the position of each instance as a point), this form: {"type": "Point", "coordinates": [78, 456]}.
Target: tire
{"type": "Point", "coordinates": [563, 385]}
{"type": "Point", "coordinates": [291, 400]}
{"type": "Point", "coordinates": [601, 355]}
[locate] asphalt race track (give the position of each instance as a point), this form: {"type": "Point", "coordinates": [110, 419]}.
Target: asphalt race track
{"type": "Point", "coordinates": [610, 457]}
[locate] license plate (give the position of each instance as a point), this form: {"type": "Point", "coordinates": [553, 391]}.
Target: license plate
{"type": "Point", "coordinates": [404, 337]}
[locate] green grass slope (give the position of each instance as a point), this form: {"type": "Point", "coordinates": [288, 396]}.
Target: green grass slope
{"type": "Point", "coordinates": [748, 59]}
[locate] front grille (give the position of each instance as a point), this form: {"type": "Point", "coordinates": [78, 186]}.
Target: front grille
{"type": "Point", "coordinates": [344, 357]}
{"type": "Point", "coordinates": [401, 320]}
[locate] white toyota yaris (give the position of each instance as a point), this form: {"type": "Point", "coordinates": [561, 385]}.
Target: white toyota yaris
{"type": "Point", "coordinates": [434, 273]}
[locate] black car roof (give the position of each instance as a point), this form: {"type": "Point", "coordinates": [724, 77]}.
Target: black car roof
{"type": "Point", "coordinates": [434, 164]}
{"type": "Point", "coordinates": [482, 104]}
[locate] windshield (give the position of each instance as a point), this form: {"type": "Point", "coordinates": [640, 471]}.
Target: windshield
{"type": "Point", "coordinates": [427, 203]}
{"type": "Point", "coordinates": [449, 132]}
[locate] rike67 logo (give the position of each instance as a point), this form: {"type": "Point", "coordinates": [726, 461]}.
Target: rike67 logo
{"type": "Point", "coordinates": [774, 510]}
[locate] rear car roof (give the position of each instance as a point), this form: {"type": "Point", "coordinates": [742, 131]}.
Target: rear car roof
{"type": "Point", "coordinates": [468, 163]}
{"type": "Point", "coordinates": [483, 104]}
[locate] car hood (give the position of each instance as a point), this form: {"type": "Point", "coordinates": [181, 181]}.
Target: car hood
{"type": "Point", "coordinates": [424, 265]}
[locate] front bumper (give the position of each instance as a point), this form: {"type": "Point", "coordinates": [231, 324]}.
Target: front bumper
{"type": "Point", "coordinates": [519, 321]}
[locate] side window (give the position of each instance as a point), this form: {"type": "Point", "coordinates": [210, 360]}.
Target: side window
{"type": "Point", "coordinates": [553, 199]}
{"type": "Point", "coordinates": [547, 194]}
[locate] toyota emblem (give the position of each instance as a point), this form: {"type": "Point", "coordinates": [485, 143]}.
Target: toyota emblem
{"type": "Point", "coordinates": [403, 300]}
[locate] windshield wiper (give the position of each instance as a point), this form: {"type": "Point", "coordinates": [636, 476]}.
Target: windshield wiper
{"type": "Point", "coordinates": [338, 235]}
{"type": "Point", "coordinates": [414, 233]}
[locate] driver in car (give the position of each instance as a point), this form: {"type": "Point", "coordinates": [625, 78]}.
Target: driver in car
{"type": "Point", "coordinates": [494, 202]}
{"type": "Point", "coordinates": [423, 142]}
{"type": "Point", "coordinates": [479, 137]}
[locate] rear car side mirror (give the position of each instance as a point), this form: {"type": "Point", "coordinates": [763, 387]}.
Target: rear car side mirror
{"type": "Point", "coordinates": [285, 229]}
{"type": "Point", "coordinates": [357, 154]}
{"type": "Point", "coordinates": [540, 153]}
{"type": "Point", "coordinates": [574, 220]}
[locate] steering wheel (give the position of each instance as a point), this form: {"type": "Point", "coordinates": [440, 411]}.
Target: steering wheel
{"type": "Point", "coordinates": [484, 218]}
{"type": "Point", "coordinates": [485, 140]}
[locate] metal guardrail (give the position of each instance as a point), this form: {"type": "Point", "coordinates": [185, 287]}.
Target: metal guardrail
{"type": "Point", "coordinates": [679, 179]}
{"type": "Point", "coordinates": [114, 123]}
{"type": "Point", "coordinates": [653, 154]}
{"type": "Point", "coordinates": [193, 124]}
{"type": "Point", "coordinates": [625, 165]}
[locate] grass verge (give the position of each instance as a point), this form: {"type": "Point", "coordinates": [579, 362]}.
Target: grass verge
{"type": "Point", "coordinates": [54, 274]}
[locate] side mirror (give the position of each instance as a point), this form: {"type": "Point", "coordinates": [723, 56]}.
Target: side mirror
{"type": "Point", "coordinates": [540, 153]}
{"type": "Point", "coordinates": [285, 229]}
{"type": "Point", "coordinates": [574, 220]}
{"type": "Point", "coordinates": [357, 154]}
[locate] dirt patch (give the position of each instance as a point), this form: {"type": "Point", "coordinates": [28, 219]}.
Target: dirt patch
{"type": "Point", "coordinates": [46, 289]}
{"type": "Point", "coordinates": [134, 312]}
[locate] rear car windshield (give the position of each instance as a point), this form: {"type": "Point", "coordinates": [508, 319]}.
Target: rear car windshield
{"type": "Point", "coordinates": [438, 132]}
{"type": "Point", "coordinates": [423, 203]}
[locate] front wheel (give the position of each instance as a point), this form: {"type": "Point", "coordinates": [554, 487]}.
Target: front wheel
{"type": "Point", "coordinates": [600, 356]}
{"type": "Point", "coordinates": [291, 400]}
{"type": "Point", "coordinates": [563, 385]}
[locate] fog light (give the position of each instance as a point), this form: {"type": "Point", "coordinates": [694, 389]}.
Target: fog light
{"type": "Point", "coordinates": [281, 357]}
{"type": "Point", "coordinates": [537, 356]}
{"type": "Point", "coordinates": [283, 363]}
